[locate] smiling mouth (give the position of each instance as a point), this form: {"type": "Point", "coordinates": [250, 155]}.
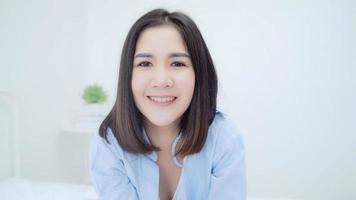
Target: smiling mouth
{"type": "Point", "coordinates": [162, 100]}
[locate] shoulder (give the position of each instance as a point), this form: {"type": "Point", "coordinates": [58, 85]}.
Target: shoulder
{"type": "Point", "coordinates": [224, 129]}
{"type": "Point", "coordinates": [224, 136]}
{"type": "Point", "coordinates": [109, 141]}
{"type": "Point", "coordinates": [104, 147]}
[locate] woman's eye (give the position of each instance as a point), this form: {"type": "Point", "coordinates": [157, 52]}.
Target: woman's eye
{"type": "Point", "coordinates": [144, 64]}
{"type": "Point", "coordinates": [178, 64]}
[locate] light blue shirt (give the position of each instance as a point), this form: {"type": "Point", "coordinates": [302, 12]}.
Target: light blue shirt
{"type": "Point", "coordinates": [216, 172]}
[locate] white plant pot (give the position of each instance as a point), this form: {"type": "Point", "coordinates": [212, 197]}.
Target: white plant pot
{"type": "Point", "coordinates": [90, 117]}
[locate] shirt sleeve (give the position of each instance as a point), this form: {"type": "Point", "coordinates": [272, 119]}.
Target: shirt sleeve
{"type": "Point", "coordinates": [108, 172]}
{"type": "Point", "coordinates": [228, 177]}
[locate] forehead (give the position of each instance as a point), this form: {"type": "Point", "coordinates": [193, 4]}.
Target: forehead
{"type": "Point", "coordinates": [160, 39]}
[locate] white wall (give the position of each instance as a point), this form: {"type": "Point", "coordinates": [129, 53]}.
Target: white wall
{"type": "Point", "coordinates": [285, 70]}
{"type": "Point", "coordinates": [44, 65]}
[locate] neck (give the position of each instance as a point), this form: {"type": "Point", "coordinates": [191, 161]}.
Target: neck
{"type": "Point", "coordinates": [162, 136]}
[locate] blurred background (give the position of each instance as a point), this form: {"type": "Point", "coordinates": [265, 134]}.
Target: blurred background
{"type": "Point", "coordinates": [286, 73]}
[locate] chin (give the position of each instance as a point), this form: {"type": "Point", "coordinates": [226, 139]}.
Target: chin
{"type": "Point", "coordinates": [161, 121]}
{"type": "Point", "coordinates": [160, 118]}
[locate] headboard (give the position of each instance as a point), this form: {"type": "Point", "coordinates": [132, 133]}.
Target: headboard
{"type": "Point", "coordinates": [9, 154]}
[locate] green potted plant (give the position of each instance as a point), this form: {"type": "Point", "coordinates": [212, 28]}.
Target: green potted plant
{"type": "Point", "coordinates": [93, 111]}
{"type": "Point", "coordinates": [94, 94]}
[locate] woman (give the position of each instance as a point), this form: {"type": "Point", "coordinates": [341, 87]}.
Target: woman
{"type": "Point", "coordinates": [164, 138]}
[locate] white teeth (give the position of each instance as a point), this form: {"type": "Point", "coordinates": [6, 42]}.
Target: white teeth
{"type": "Point", "coordinates": [162, 99]}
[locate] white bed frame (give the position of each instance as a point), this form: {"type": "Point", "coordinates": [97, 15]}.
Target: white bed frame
{"type": "Point", "coordinates": [8, 99]}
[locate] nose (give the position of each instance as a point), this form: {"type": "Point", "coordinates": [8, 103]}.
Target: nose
{"type": "Point", "coordinates": [161, 78]}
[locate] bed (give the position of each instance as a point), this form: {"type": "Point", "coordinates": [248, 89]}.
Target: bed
{"type": "Point", "coordinates": [22, 189]}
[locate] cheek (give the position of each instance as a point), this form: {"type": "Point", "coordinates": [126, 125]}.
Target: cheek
{"type": "Point", "coordinates": [137, 83]}
{"type": "Point", "coordinates": [187, 83]}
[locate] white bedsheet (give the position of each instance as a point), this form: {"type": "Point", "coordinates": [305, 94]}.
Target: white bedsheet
{"type": "Point", "coordinates": [20, 189]}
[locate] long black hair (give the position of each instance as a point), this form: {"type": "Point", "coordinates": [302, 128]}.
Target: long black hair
{"type": "Point", "coordinates": [126, 121]}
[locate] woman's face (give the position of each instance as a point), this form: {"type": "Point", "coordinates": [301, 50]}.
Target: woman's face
{"type": "Point", "coordinates": [163, 75]}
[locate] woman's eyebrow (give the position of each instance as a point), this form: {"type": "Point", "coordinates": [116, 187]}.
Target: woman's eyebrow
{"type": "Point", "coordinates": [171, 55]}
{"type": "Point", "coordinates": [179, 55]}
{"type": "Point", "coordinates": [144, 55]}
